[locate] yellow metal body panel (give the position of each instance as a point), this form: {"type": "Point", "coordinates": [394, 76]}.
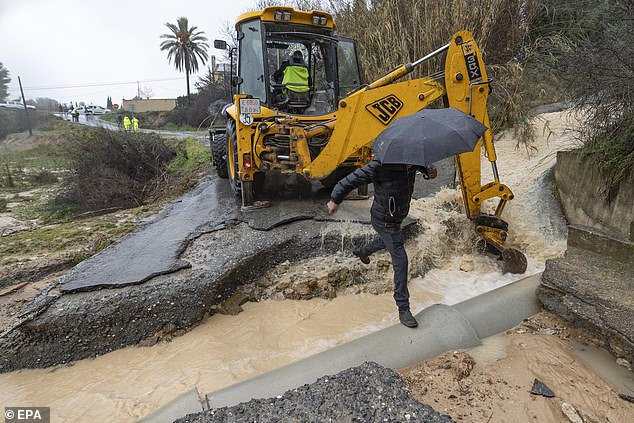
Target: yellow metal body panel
{"type": "Point", "coordinates": [494, 236]}
{"type": "Point", "coordinates": [364, 114]}
{"type": "Point", "coordinates": [297, 16]}
{"type": "Point", "coordinates": [349, 131]}
{"type": "Point", "coordinates": [357, 127]}
{"type": "Point", "coordinates": [467, 88]}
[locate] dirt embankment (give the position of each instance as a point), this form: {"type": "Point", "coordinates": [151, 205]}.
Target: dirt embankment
{"type": "Point", "coordinates": [493, 383]}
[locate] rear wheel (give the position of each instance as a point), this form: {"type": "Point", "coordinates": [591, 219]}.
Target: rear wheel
{"type": "Point", "coordinates": [219, 154]}
{"type": "Point", "coordinates": [232, 158]}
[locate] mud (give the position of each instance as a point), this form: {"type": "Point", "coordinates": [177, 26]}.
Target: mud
{"type": "Point", "coordinates": [493, 382]}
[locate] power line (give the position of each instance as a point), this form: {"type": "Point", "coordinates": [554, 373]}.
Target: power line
{"type": "Point", "coordinates": [60, 87]}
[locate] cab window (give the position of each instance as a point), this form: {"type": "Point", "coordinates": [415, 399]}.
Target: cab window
{"type": "Point", "coordinates": [349, 78]}
{"type": "Point", "coordinates": [250, 61]}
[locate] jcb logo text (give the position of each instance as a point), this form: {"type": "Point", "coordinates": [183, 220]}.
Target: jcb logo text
{"type": "Point", "coordinates": [385, 109]}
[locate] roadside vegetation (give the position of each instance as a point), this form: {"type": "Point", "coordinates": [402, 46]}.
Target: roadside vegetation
{"type": "Point", "coordinates": [596, 62]}
{"type": "Point", "coordinates": [68, 191]}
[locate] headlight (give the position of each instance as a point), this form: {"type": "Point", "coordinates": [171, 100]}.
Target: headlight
{"type": "Point", "coordinates": [286, 15]}
{"type": "Point", "coordinates": [278, 15]}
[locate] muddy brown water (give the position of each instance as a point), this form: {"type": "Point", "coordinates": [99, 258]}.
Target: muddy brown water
{"type": "Point", "coordinates": [128, 384]}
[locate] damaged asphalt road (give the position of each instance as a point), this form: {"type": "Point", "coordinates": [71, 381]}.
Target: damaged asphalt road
{"type": "Point", "coordinates": [153, 290]}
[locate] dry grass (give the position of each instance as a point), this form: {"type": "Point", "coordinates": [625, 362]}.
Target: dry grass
{"type": "Point", "coordinates": [391, 32]}
{"type": "Point", "coordinates": [400, 31]}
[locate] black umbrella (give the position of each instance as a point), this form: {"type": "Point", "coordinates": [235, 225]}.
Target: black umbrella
{"type": "Point", "coordinates": [427, 136]}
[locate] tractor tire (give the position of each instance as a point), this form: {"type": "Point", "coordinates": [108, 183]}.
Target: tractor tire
{"type": "Point", "coordinates": [219, 155]}
{"type": "Point", "coordinates": [232, 158]}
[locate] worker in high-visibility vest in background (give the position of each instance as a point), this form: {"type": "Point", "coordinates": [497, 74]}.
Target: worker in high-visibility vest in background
{"type": "Point", "coordinates": [126, 123]}
{"type": "Point", "coordinates": [135, 124]}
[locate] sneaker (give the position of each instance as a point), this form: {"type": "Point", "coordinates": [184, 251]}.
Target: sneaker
{"type": "Point", "coordinates": [407, 319]}
{"type": "Point", "coordinates": [364, 259]}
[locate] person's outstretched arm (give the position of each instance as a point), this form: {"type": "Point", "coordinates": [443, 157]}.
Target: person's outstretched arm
{"type": "Point", "coordinates": [361, 176]}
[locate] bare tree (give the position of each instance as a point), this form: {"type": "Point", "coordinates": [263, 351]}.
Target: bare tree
{"type": "Point", "coordinates": [146, 92]}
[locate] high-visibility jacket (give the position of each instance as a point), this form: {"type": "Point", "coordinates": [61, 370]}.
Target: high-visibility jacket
{"type": "Point", "coordinates": [135, 124]}
{"type": "Point", "coordinates": [296, 78]}
{"type": "Point", "coordinates": [126, 123]}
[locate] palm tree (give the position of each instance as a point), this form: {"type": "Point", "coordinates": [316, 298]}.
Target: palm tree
{"type": "Point", "coordinates": [185, 45]}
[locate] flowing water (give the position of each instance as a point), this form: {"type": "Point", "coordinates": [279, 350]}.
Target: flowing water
{"type": "Point", "coordinates": [128, 384]}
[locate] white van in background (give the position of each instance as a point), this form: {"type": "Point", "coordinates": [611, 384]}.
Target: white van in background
{"type": "Point", "coordinates": [92, 110]}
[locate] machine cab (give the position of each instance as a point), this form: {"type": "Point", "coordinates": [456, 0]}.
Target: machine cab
{"type": "Point", "coordinates": [293, 63]}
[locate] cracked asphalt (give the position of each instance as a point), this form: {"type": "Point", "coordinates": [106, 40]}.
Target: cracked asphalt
{"type": "Point", "coordinates": [142, 285]}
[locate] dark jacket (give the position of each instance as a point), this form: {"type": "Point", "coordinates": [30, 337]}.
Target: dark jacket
{"type": "Point", "coordinates": [393, 187]}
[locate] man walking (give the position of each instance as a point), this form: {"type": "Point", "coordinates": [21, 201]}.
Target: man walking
{"type": "Point", "coordinates": [120, 120]}
{"type": "Point", "coordinates": [126, 123]}
{"type": "Point", "coordinates": [135, 124]}
{"type": "Point", "coordinates": [393, 187]}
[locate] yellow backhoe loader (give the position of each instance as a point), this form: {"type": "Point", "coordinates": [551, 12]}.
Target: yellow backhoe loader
{"type": "Point", "coordinates": [327, 131]}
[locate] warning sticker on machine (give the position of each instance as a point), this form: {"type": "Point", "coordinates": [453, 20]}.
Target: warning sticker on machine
{"type": "Point", "coordinates": [249, 106]}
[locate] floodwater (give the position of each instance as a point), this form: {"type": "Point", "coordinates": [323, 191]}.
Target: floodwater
{"type": "Point", "coordinates": [128, 384]}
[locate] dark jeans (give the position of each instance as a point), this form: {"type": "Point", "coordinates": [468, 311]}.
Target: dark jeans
{"type": "Point", "coordinates": [390, 238]}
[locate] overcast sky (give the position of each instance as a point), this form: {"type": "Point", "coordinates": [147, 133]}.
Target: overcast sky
{"type": "Point", "coordinates": [54, 45]}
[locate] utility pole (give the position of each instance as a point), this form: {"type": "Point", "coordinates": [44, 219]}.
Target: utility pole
{"type": "Point", "coordinates": [138, 89]}
{"type": "Point", "coordinates": [28, 120]}
{"type": "Point", "coordinates": [213, 69]}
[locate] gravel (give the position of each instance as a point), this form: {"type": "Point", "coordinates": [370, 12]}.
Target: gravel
{"type": "Point", "coordinates": [368, 393]}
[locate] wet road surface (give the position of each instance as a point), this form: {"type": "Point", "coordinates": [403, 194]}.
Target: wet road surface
{"type": "Point", "coordinates": [155, 248]}
{"type": "Point", "coordinates": [97, 122]}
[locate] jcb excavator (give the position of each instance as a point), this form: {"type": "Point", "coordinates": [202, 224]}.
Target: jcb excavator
{"type": "Point", "coordinates": [328, 131]}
